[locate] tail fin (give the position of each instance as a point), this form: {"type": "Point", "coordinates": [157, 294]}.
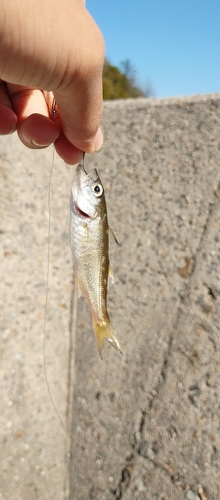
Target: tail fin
{"type": "Point", "coordinates": [103, 331]}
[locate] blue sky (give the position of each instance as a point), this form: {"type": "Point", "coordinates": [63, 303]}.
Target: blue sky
{"type": "Point", "coordinates": [173, 44]}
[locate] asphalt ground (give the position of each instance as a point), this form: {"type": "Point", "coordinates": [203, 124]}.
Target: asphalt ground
{"type": "Point", "coordinates": [144, 425]}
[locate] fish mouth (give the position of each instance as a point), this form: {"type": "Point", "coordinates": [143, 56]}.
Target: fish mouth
{"type": "Point", "coordinates": [92, 176]}
{"type": "Point", "coordinates": [80, 212]}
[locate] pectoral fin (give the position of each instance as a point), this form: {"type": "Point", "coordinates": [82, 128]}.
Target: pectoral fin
{"type": "Point", "coordinates": [113, 234]}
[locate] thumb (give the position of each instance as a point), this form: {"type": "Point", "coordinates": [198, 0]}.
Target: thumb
{"type": "Point", "coordinates": [79, 96]}
{"type": "Point", "coordinates": [80, 112]}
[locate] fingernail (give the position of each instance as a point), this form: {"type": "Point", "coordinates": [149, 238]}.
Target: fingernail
{"type": "Point", "coordinates": [40, 145]}
{"type": "Point", "coordinates": [98, 141]}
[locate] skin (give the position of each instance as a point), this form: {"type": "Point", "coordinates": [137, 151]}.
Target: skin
{"type": "Point", "coordinates": [50, 47]}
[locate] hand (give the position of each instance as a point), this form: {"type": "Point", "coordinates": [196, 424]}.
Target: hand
{"type": "Point", "coordinates": [51, 47]}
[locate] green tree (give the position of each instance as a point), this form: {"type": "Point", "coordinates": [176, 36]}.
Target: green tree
{"type": "Point", "coordinates": [129, 71]}
{"type": "Point", "coordinates": [118, 85]}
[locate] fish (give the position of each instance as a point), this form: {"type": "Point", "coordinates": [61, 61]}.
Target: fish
{"type": "Point", "coordinates": [89, 237]}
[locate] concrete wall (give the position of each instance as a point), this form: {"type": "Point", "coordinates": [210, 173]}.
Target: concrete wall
{"type": "Point", "coordinates": [144, 425]}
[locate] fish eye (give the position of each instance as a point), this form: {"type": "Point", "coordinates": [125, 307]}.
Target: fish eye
{"type": "Point", "coordinates": [97, 190]}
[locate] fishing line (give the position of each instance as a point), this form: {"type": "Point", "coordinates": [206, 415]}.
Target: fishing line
{"type": "Point", "coordinates": [53, 114]}
{"type": "Point", "coordinates": [47, 290]}
{"type": "Point", "coordinates": [67, 426]}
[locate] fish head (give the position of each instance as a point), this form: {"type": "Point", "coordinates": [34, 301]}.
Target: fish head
{"type": "Point", "coordinates": [87, 195]}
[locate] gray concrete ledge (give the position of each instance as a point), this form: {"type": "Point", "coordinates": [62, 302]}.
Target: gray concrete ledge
{"type": "Point", "coordinates": [144, 425]}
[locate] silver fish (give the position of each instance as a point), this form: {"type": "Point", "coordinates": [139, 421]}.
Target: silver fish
{"type": "Point", "coordinates": [89, 233]}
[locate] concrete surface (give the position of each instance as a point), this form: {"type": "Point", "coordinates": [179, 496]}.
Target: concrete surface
{"type": "Point", "coordinates": [144, 425]}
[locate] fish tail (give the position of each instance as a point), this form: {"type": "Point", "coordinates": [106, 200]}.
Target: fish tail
{"type": "Point", "coordinates": [103, 331]}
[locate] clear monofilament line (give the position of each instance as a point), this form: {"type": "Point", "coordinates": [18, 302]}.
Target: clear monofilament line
{"type": "Point", "coordinates": [47, 293]}
{"type": "Point", "coordinates": [67, 425]}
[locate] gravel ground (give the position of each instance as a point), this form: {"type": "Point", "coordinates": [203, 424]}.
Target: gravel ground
{"type": "Point", "coordinates": [144, 425]}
